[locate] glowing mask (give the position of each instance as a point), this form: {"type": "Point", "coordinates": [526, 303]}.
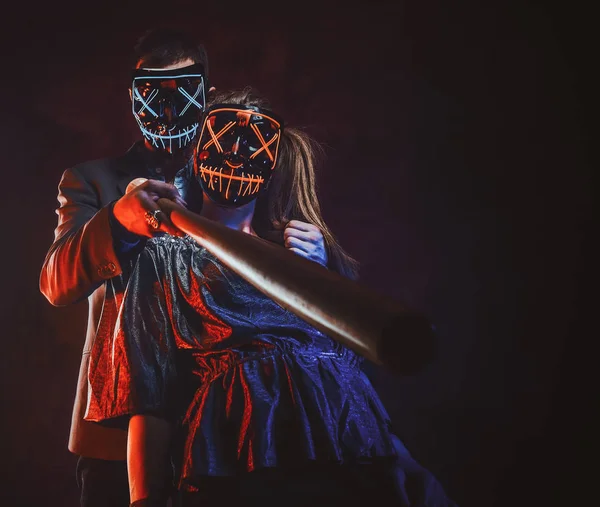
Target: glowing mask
{"type": "Point", "coordinates": [167, 105]}
{"type": "Point", "coordinates": [237, 152]}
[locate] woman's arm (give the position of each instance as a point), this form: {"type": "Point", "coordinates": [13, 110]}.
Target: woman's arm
{"type": "Point", "coordinates": [148, 443]}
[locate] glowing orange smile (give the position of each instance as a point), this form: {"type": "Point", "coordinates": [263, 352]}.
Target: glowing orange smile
{"type": "Point", "coordinates": [214, 175]}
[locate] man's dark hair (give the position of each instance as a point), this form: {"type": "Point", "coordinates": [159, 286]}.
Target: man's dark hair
{"type": "Point", "coordinates": [166, 46]}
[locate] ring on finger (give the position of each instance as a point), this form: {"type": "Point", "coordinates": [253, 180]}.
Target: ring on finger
{"type": "Point", "coordinates": [152, 218]}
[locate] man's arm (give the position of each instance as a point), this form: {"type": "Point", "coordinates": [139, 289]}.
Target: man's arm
{"type": "Point", "coordinates": [82, 255]}
{"type": "Point", "coordinates": [90, 241]}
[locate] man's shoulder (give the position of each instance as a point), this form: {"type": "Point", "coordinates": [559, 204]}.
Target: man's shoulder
{"type": "Point", "coordinates": [108, 166]}
{"type": "Point", "coordinates": [91, 167]}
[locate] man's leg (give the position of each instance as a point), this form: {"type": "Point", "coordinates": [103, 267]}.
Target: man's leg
{"type": "Point", "coordinates": [102, 483]}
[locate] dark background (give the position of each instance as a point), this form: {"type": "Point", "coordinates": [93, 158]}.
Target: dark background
{"type": "Point", "coordinates": [457, 174]}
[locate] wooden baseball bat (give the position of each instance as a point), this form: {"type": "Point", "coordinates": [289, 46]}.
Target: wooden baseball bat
{"type": "Point", "coordinates": [382, 330]}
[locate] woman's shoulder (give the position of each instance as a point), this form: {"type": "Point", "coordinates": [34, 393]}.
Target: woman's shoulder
{"type": "Point", "coordinates": [163, 243]}
{"type": "Point", "coordinates": [166, 249]}
{"type": "Point", "coordinates": [177, 252]}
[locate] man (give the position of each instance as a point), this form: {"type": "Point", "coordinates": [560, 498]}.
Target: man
{"type": "Point", "coordinates": [101, 229]}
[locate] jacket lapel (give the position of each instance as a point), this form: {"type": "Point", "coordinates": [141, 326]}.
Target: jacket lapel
{"type": "Point", "coordinates": [130, 166]}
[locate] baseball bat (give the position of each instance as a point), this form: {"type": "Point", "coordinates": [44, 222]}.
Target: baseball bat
{"type": "Point", "coordinates": [379, 328]}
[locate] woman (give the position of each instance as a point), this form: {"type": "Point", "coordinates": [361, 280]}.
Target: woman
{"type": "Point", "coordinates": [247, 400]}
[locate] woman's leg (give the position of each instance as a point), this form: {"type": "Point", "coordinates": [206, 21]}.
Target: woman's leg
{"type": "Point", "coordinates": [148, 443]}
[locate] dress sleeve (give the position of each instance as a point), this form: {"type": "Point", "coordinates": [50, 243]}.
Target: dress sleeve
{"type": "Point", "coordinates": [134, 371]}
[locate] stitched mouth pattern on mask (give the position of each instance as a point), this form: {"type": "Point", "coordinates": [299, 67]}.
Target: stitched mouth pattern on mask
{"type": "Point", "coordinates": [184, 137]}
{"type": "Point", "coordinates": [209, 174]}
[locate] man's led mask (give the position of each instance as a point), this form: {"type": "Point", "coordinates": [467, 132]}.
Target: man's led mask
{"type": "Point", "coordinates": [236, 152]}
{"type": "Point", "coordinates": [167, 105]}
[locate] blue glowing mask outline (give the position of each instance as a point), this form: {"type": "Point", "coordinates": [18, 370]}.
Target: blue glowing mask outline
{"type": "Point", "coordinates": [167, 105]}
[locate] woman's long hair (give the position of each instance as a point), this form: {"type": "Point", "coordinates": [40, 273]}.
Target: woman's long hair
{"type": "Point", "coordinates": [292, 190]}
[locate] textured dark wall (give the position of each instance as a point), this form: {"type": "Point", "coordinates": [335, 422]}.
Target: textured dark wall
{"type": "Point", "coordinates": [456, 175]}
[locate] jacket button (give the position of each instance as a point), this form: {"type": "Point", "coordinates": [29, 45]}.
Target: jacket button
{"type": "Point", "coordinates": [107, 270]}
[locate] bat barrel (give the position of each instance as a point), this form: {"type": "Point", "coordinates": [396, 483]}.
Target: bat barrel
{"type": "Point", "coordinates": [376, 327]}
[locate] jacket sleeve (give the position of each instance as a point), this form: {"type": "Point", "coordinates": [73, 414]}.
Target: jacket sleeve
{"type": "Point", "coordinates": [82, 255]}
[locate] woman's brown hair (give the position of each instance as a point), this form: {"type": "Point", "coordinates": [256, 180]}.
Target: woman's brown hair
{"type": "Point", "coordinates": [292, 190]}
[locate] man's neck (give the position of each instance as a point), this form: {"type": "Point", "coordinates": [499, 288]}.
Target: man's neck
{"type": "Point", "coordinates": [169, 164]}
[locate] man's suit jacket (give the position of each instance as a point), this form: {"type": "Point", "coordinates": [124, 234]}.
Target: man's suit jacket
{"type": "Point", "coordinates": [83, 263]}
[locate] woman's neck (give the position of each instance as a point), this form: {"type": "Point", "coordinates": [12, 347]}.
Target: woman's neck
{"type": "Point", "coordinates": [234, 218]}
